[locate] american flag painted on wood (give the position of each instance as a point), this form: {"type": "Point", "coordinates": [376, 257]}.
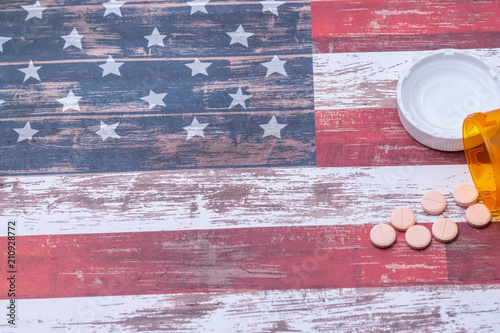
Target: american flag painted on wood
{"type": "Point", "coordinates": [216, 166]}
{"type": "Point", "coordinates": [151, 86]}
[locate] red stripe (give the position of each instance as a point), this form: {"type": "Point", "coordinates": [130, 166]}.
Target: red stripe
{"type": "Point", "coordinates": [371, 137]}
{"type": "Point", "coordinates": [346, 26]}
{"type": "Point", "coordinates": [388, 43]}
{"type": "Point", "coordinates": [210, 260]}
{"type": "Point", "coordinates": [475, 256]}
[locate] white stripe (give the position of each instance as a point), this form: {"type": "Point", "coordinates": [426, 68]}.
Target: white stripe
{"type": "Point", "coordinates": [366, 79]}
{"type": "Point", "coordinates": [474, 308]}
{"type": "Point", "coordinates": [223, 198]}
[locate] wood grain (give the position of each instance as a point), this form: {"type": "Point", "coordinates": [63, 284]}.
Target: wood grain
{"type": "Point", "coordinates": [366, 80]}
{"type": "Point", "coordinates": [235, 249]}
{"type": "Point", "coordinates": [168, 262]}
{"type": "Point", "coordinates": [69, 145]}
{"type": "Point", "coordinates": [467, 308]}
{"type": "Point", "coordinates": [222, 198]}
{"type": "Point", "coordinates": [368, 26]}
{"type": "Point", "coordinates": [154, 139]}
{"type": "Point", "coordinates": [372, 137]}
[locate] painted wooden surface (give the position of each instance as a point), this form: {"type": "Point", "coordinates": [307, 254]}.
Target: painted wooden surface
{"type": "Point", "coordinates": [467, 308]}
{"type": "Point", "coordinates": [372, 137]}
{"type": "Point", "coordinates": [222, 198]}
{"type": "Point", "coordinates": [323, 257]}
{"type": "Point", "coordinates": [155, 139]}
{"type": "Point", "coordinates": [357, 121]}
{"type": "Point", "coordinates": [212, 248]}
{"type": "Point", "coordinates": [367, 79]}
{"type": "Point", "coordinates": [374, 25]}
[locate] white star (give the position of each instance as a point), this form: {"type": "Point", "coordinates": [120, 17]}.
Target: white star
{"type": "Point", "coordinates": [271, 6]}
{"type": "Point", "coordinates": [155, 38]}
{"type": "Point", "coordinates": [34, 11]}
{"type": "Point", "coordinates": [111, 67]}
{"type": "Point", "coordinates": [239, 36]}
{"type": "Point", "coordinates": [239, 98]}
{"type": "Point", "coordinates": [25, 133]}
{"type": "Point", "coordinates": [73, 39]}
{"type": "Point", "coordinates": [108, 131]}
{"type": "Point", "coordinates": [275, 66]}
{"type": "Point", "coordinates": [31, 71]}
{"type": "Point", "coordinates": [198, 6]}
{"type": "Point", "coordinates": [70, 101]}
{"type": "Point", "coordinates": [198, 67]}
{"type": "Point", "coordinates": [272, 128]}
{"type": "Point", "coordinates": [195, 129]}
{"type": "Point", "coordinates": [2, 41]}
{"type": "Point", "coordinates": [113, 7]}
{"type": "Point", "coordinates": [154, 99]}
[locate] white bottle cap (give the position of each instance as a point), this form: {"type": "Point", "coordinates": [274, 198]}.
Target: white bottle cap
{"type": "Point", "coordinates": [439, 90]}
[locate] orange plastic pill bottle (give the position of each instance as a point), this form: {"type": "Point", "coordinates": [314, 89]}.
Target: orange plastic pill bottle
{"type": "Point", "coordinates": [481, 138]}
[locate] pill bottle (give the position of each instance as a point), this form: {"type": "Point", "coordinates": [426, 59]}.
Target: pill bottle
{"type": "Point", "coordinates": [481, 140]}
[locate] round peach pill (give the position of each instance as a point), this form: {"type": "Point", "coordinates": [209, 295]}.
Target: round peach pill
{"type": "Point", "coordinates": [433, 202]}
{"type": "Point", "coordinates": [402, 218]}
{"type": "Point", "coordinates": [478, 215]}
{"type": "Point", "coordinates": [383, 236]}
{"type": "Point", "coordinates": [418, 237]}
{"type": "Point", "coordinates": [465, 195]}
{"type": "Point", "coordinates": [445, 230]}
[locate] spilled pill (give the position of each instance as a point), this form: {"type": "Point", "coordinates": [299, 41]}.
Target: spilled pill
{"type": "Point", "coordinates": [383, 236]}
{"type": "Point", "coordinates": [466, 195]}
{"type": "Point", "coordinates": [478, 215]}
{"type": "Point", "coordinates": [402, 218]}
{"type": "Point", "coordinates": [445, 230]}
{"type": "Point", "coordinates": [418, 237]}
{"type": "Point", "coordinates": [433, 202]}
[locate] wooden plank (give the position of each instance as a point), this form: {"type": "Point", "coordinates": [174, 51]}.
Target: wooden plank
{"type": "Point", "coordinates": [468, 308]}
{"type": "Point", "coordinates": [222, 198]}
{"type": "Point", "coordinates": [371, 137]}
{"type": "Point", "coordinates": [159, 142]}
{"type": "Point", "coordinates": [462, 264]}
{"type": "Point", "coordinates": [141, 263]}
{"type": "Point", "coordinates": [366, 80]}
{"type": "Point", "coordinates": [372, 25]}
{"type": "Point", "coordinates": [78, 265]}
{"type": "Point", "coordinates": [121, 96]}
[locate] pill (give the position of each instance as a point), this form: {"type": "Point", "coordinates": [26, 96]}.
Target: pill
{"type": "Point", "coordinates": [418, 237]}
{"type": "Point", "coordinates": [466, 195]}
{"type": "Point", "coordinates": [433, 202]}
{"type": "Point", "coordinates": [445, 230]}
{"type": "Point", "coordinates": [383, 236]}
{"type": "Point", "coordinates": [402, 218]}
{"type": "Point", "coordinates": [478, 215]}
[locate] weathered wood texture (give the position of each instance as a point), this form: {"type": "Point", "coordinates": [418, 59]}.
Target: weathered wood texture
{"type": "Point", "coordinates": [397, 309]}
{"type": "Point", "coordinates": [157, 142]}
{"type": "Point", "coordinates": [240, 250]}
{"type": "Point", "coordinates": [222, 198]}
{"type": "Point", "coordinates": [244, 259]}
{"type": "Point", "coordinates": [367, 80]}
{"type": "Point", "coordinates": [153, 139]}
{"type": "Point", "coordinates": [374, 25]}
{"type": "Point", "coordinates": [372, 137]}
{"type": "Point", "coordinates": [90, 225]}
{"type": "Point", "coordinates": [357, 122]}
